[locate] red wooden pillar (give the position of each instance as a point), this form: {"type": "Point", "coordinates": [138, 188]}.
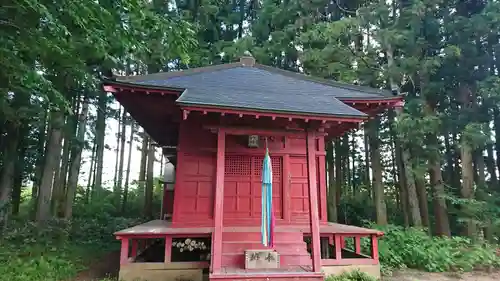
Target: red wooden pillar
{"type": "Point", "coordinates": [124, 251]}
{"type": "Point", "coordinates": [313, 201]}
{"type": "Point", "coordinates": [338, 248]}
{"type": "Point", "coordinates": [133, 251]}
{"type": "Point", "coordinates": [374, 247]}
{"type": "Point", "coordinates": [286, 188]}
{"type": "Point", "coordinates": [322, 191]}
{"type": "Point", "coordinates": [218, 206]}
{"type": "Point", "coordinates": [357, 244]}
{"type": "Point", "coordinates": [168, 249]}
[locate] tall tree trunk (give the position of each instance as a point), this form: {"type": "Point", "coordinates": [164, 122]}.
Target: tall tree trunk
{"type": "Point", "coordinates": [42, 133]}
{"type": "Point", "coordinates": [378, 185]}
{"type": "Point", "coordinates": [402, 182]}
{"type": "Point", "coordinates": [61, 181]}
{"type": "Point", "coordinates": [367, 180]}
{"type": "Point", "coordinates": [457, 175]}
{"type": "Point", "coordinates": [346, 164]}
{"type": "Point", "coordinates": [480, 168]}
{"type": "Point", "coordinates": [490, 165]}
{"type": "Point", "coordinates": [436, 178]}
{"type": "Point", "coordinates": [467, 99]}
{"type": "Point", "coordinates": [332, 202]}
{"type": "Point", "coordinates": [129, 161]}
{"type": "Point", "coordinates": [144, 161]}
{"type": "Point", "coordinates": [394, 171]}
{"type": "Point", "coordinates": [59, 188]}
{"type": "Point", "coordinates": [122, 160]}
{"type": "Point", "coordinates": [19, 170]}
{"type": "Point", "coordinates": [399, 170]}
{"type": "Point", "coordinates": [51, 164]}
{"type": "Point", "coordinates": [91, 172]}
{"type": "Point", "coordinates": [496, 124]}
{"type": "Point", "coordinates": [422, 200]}
{"type": "Point", "coordinates": [7, 171]}
{"type": "Point", "coordinates": [439, 202]}
{"type": "Point", "coordinates": [100, 135]}
{"type": "Point", "coordinates": [413, 205]}
{"type": "Point", "coordinates": [338, 171]}
{"type": "Point", "coordinates": [482, 189]}
{"type": "Point", "coordinates": [353, 165]}
{"type": "Point", "coordinates": [117, 155]}
{"type": "Point", "coordinates": [56, 188]}
{"type": "Point", "coordinates": [450, 170]}
{"type": "Point", "coordinates": [76, 160]}
{"type": "Point", "coordinates": [148, 192]}
{"type": "Point", "coordinates": [467, 186]}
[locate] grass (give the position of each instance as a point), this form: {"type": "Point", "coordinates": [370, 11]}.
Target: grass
{"type": "Point", "coordinates": [58, 250]}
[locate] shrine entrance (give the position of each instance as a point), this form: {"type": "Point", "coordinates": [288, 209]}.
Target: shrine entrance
{"type": "Point", "coordinates": [243, 188]}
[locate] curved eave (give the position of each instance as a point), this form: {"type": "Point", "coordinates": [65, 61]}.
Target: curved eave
{"type": "Point", "coordinates": [373, 100]}
{"type": "Point", "coordinates": [113, 86]}
{"type": "Point", "coordinates": [257, 113]}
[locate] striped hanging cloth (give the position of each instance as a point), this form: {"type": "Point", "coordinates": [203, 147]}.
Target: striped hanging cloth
{"type": "Point", "coordinates": [268, 220]}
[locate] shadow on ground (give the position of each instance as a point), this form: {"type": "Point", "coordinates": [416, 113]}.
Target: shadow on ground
{"type": "Point", "coordinates": [106, 267]}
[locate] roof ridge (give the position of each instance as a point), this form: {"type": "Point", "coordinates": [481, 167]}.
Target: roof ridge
{"type": "Point", "coordinates": [224, 66]}
{"type": "Point", "coordinates": [185, 72]}
{"type": "Point", "coordinates": [323, 81]}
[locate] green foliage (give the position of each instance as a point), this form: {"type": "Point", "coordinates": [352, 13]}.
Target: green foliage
{"type": "Point", "coordinates": [59, 249]}
{"type": "Point", "coordinates": [414, 248]}
{"type": "Point", "coordinates": [351, 276]}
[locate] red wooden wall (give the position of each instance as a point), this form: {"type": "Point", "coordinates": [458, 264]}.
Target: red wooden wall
{"type": "Point", "coordinates": [195, 178]}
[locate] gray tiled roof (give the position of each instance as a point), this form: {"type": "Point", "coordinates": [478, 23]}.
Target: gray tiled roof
{"type": "Point", "coordinates": [260, 88]}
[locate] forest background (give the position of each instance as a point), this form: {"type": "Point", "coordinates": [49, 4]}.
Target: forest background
{"type": "Point", "coordinates": [67, 149]}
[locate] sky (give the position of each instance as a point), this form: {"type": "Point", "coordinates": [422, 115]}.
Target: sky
{"type": "Point", "coordinates": [112, 129]}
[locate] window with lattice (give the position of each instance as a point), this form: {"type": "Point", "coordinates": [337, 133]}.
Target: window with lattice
{"type": "Point", "coordinates": [276, 163]}
{"type": "Point", "coordinates": [238, 165]}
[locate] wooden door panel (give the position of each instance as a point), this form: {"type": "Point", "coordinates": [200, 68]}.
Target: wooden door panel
{"type": "Point", "coordinates": [299, 195]}
{"type": "Point", "coordinates": [243, 187]}
{"type": "Point", "coordinates": [196, 193]}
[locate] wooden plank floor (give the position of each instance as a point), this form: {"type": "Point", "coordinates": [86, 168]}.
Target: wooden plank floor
{"type": "Point", "coordinates": [162, 227]}
{"type": "Point", "coordinates": [165, 227]}
{"type": "Point", "coordinates": [287, 270]}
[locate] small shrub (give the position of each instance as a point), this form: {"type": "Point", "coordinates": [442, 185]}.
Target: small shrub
{"type": "Point", "coordinates": [351, 276]}
{"type": "Point", "coordinates": [414, 248]}
{"type": "Point", "coordinates": [58, 250]}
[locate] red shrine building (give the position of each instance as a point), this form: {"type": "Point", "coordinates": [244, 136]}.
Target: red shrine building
{"type": "Point", "coordinates": [214, 124]}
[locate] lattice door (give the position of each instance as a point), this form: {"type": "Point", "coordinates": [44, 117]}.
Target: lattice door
{"type": "Point", "coordinates": [243, 186]}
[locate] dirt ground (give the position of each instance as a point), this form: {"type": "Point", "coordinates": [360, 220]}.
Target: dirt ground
{"type": "Point", "coordinates": [109, 265]}
{"type": "Point", "coordinates": [411, 275]}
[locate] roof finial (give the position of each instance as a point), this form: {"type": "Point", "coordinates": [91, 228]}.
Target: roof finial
{"type": "Point", "coordinates": [247, 59]}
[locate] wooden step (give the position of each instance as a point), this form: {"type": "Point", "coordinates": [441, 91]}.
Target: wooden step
{"type": "Point", "coordinates": [321, 277]}
{"type": "Point", "coordinates": [288, 260]}
{"type": "Point", "coordinates": [285, 274]}
{"type": "Point", "coordinates": [287, 248]}
{"type": "Point", "coordinates": [290, 246]}
{"type": "Point", "coordinates": [280, 237]}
